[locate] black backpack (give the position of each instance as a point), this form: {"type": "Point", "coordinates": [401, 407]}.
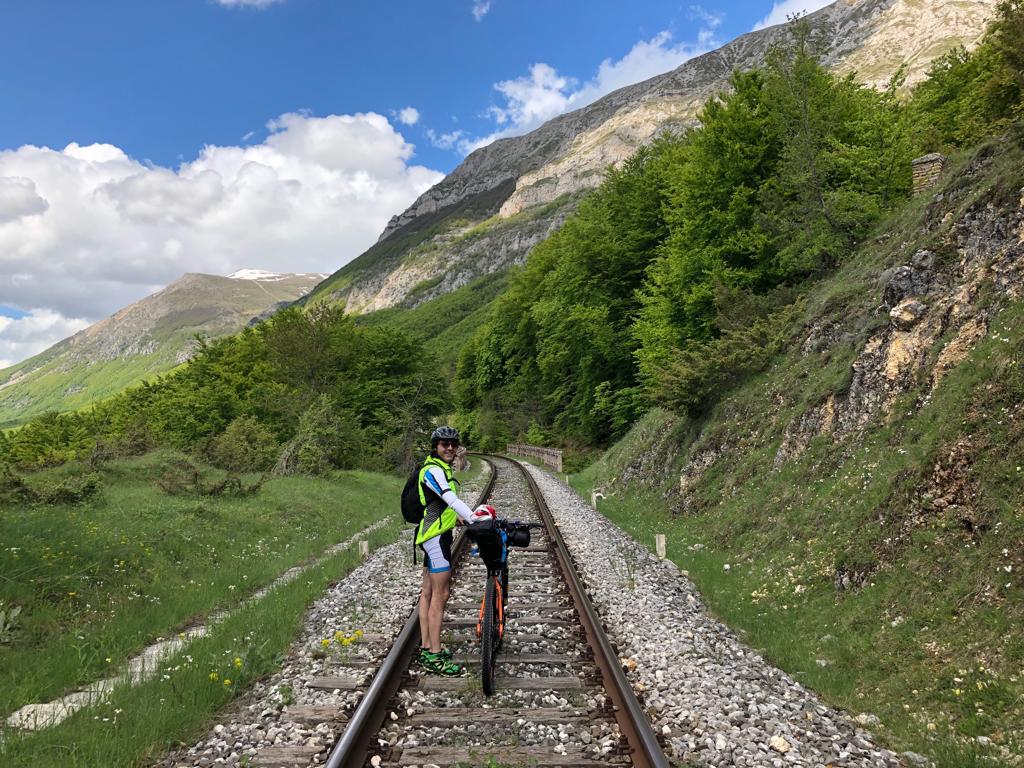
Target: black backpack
{"type": "Point", "coordinates": [412, 509]}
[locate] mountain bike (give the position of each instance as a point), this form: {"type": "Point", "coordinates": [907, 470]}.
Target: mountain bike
{"type": "Point", "coordinates": [493, 539]}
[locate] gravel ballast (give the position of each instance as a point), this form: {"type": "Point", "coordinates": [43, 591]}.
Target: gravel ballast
{"type": "Point", "coordinates": [715, 701]}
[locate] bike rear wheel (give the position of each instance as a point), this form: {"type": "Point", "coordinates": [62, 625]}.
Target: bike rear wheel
{"type": "Point", "coordinates": [490, 636]}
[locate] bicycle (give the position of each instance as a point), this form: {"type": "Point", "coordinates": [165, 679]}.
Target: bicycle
{"type": "Point", "coordinates": [493, 538]}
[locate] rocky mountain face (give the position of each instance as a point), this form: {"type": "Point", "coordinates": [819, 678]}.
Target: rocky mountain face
{"type": "Point", "coordinates": [144, 339]}
{"type": "Point", "coordinates": [553, 165]}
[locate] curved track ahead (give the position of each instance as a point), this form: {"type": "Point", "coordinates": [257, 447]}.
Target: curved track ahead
{"type": "Point", "coordinates": [562, 698]}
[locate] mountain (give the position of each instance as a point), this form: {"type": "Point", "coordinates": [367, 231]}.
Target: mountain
{"type": "Point", "coordinates": [142, 340]}
{"type": "Point", "coordinates": [488, 213]}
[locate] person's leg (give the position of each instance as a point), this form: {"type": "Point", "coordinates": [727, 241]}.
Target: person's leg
{"type": "Point", "coordinates": [440, 588]}
{"type": "Point", "coordinates": [425, 593]}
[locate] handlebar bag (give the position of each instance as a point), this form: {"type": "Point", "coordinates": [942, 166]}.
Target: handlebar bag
{"type": "Point", "coordinates": [519, 536]}
{"type": "Point", "coordinates": [489, 540]}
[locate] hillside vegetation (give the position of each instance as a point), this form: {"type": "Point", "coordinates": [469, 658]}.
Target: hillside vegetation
{"type": "Point", "coordinates": [855, 510]}
{"type": "Point", "coordinates": [305, 392]}
{"type": "Point", "coordinates": [141, 341]}
{"type": "Point", "coordinates": [683, 272]}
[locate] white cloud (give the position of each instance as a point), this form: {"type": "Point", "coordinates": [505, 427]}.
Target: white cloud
{"type": "Point", "coordinates": [480, 8]}
{"type": "Point", "coordinates": [23, 337]}
{"type": "Point", "coordinates": [409, 116]}
{"type": "Point", "coordinates": [533, 99]}
{"type": "Point", "coordinates": [87, 230]}
{"type": "Point", "coordinates": [248, 3]}
{"type": "Point", "coordinates": [781, 12]}
{"type": "Point", "coordinates": [444, 140]}
{"type": "Point", "coordinates": [18, 198]}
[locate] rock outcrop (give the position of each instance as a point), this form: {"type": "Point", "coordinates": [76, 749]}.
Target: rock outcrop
{"type": "Point", "coordinates": [935, 319]}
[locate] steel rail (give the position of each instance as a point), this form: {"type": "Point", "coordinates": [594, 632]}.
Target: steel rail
{"type": "Point", "coordinates": [645, 751]}
{"type": "Point", "coordinates": [350, 750]}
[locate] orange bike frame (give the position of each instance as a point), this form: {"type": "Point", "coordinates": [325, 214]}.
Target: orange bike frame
{"type": "Point", "coordinates": [501, 610]}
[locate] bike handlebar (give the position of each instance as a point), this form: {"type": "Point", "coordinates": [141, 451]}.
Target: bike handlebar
{"type": "Point", "coordinates": [506, 524]}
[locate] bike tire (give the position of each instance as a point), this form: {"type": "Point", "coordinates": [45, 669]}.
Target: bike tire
{"type": "Point", "coordinates": [489, 638]}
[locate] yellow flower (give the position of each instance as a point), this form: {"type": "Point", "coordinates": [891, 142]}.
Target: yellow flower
{"type": "Point", "coordinates": [957, 691]}
{"type": "Point", "coordinates": [339, 635]}
{"type": "Point", "coordinates": [325, 642]}
{"type": "Point", "coordinates": [347, 641]}
{"type": "Point", "coordinates": [359, 633]}
{"type": "Point", "coordinates": [226, 681]}
{"type": "Point", "coordinates": [214, 676]}
{"type": "Point", "coordinates": [72, 594]}
{"type": "Point", "coordinates": [238, 663]}
{"type": "Point", "coordinates": [931, 726]}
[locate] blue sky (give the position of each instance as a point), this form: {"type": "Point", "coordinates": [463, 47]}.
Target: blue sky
{"type": "Point", "coordinates": [142, 139]}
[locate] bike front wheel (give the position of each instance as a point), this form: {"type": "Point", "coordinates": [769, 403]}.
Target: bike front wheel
{"type": "Point", "coordinates": [490, 636]}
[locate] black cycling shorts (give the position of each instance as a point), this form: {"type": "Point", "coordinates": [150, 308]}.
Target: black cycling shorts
{"type": "Point", "coordinates": [437, 553]}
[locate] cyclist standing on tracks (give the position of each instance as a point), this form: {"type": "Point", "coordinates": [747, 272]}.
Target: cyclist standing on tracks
{"type": "Point", "coordinates": [443, 511]}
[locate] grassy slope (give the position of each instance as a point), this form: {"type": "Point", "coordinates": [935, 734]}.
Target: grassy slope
{"type": "Point", "coordinates": [416, 242]}
{"type": "Point", "coordinates": [59, 386]}
{"type": "Point", "coordinates": [388, 253]}
{"type": "Point", "coordinates": [446, 323]}
{"type": "Point", "coordinates": [137, 724]}
{"type": "Point", "coordinates": [931, 643]}
{"type": "Point", "coordinates": [99, 580]}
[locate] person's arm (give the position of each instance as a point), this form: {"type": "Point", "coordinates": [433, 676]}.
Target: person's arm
{"type": "Point", "coordinates": [439, 484]}
{"type": "Point", "coordinates": [458, 505]}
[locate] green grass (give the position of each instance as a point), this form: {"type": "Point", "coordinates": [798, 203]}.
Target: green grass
{"type": "Point", "coordinates": [926, 634]}
{"type": "Point", "coordinates": [98, 581]}
{"type": "Point", "coordinates": [138, 724]}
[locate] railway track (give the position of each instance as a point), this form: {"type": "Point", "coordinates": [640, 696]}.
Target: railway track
{"type": "Point", "coordinates": [561, 698]}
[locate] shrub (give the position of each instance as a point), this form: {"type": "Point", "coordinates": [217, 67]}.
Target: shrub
{"type": "Point", "coordinates": [71, 490]}
{"type": "Point", "coordinates": [699, 374]}
{"type": "Point", "coordinates": [245, 446]}
{"type": "Point", "coordinates": [327, 438]}
{"type": "Point", "coordinates": [12, 487]}
{"type": "Point", "coordinates": [183, 478]}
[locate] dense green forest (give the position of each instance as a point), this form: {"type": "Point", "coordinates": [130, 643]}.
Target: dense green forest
{"type": "Point", "coordinates": [683, 273]}
{"type": "Point", "coordinates": [678, 277]}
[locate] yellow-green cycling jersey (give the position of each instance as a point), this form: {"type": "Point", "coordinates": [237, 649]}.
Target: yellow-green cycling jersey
{"type": "Point", "coordinates": [436, 479]}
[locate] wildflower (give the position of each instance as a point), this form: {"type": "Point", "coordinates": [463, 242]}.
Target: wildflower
{"type": "Point", "coordinates": [227, 682]}
{"type": "Point", "coordinates": [931, 726]}
{"type": "Point", "coordinates": [957, 691]}
{"type": "Point", "coordinates": [214, 676]}
{"type": "Point", "coordinates": [347, 641]}
{"type": "Point", "coordinates": [72, 594]}
{"type": "Point", "coordinates": [238, 663]}
{"type": "Point", "coordinates": [108, 660]}
{"type": "Point", "coordinates": [359, 633]}
{"type": "Point", "coordinates": [325, 642]}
